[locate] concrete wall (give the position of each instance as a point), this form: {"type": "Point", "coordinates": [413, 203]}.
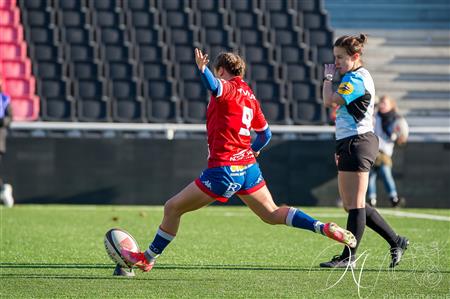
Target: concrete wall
{"type": "Point", "coordinates": [149, 171]}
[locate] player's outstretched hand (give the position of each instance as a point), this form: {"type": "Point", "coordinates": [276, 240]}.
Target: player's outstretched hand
{"type": "Point", "coordinates": [201, 59]}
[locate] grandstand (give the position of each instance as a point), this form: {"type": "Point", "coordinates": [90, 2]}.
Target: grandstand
{"type": "Point", "coordinates": [124, 69]}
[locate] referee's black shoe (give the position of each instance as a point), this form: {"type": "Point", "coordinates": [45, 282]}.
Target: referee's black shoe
{"type": "Point", "coordinates": [339, 261]}
{"type": "Point", "coordinates": [398, 251]}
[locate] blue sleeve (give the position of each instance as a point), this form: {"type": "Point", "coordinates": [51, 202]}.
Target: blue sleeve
{"type": "Point", "coordinates": [261, 140]}
{"type": "Point", "coordinates": [209, 81]}
{"type": "Point", "coordinates": [351, 87]}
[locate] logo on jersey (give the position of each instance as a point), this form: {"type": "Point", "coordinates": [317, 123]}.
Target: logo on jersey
{"type": "Point", "coordinates": [241, 155]}
{"type": "Point", "coordinates": [246, 93]}
{"type": "Point", "coordinates": [345, 88]}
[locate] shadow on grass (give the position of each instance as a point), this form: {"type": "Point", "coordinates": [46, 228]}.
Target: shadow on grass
{"type": "Point", "coordinates": [197, 267]}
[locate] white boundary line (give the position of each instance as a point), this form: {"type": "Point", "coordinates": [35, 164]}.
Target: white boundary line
{"type": "Point", "coordinates": [415, 215]}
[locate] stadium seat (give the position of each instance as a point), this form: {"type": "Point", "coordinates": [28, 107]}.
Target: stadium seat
{"type": "Point", "coordinates": [90, 89]}
{"type": "Point", "coordinates": [319, 38]}
{"type": "Point", "coordinates": [79, 52]}
{"type": "Point", "coordinates": [308, 5]}
{"type": "Point", "coordinates": [125, 110]}
{"type": "Point", "coordinates": [57, 109]}
{"type": "Point", "coordinates": [182, 53]}
{"type": "Point", "coordinates": [9, 17]}
{"type": "Point", "coordinates": [212, 20]}
{"type": "Point", "coordinates": [314, 21]}
{"type": "Point", "coordinates": [12, 50]}
{"type": "Point", "coordinates": [38, 18]}
{"type": "Point", "coordinates": [263, 71]}
{"type": "Point", "coordinates": [93, 110]}
{"type": "Point", "coordinates": [308, 113]}
{"type": "Point", "coordinates": [194, 111]}
{"type": "Point", "coordinates": [176, 19]}
{"type": "Point", "coordinates": [246, 20]}
{"type": "Point", "coordinates": [112, 36]}
{"type": "Point", "coordinates": [138, 5]}
{"type": "Point", "coordinates": [208, 5]}
{"type": "Point", "coordinates": [74, 35]}
{"type": "Point", "coordinates": [42, 35]}
{"type": "Point", "coordinates": [158, 89]}
{"type": "Point", "coordinates": [163, 110]}
{"type": "Point", "coordinates": [70, 5]}
{"type": "Point", "coordinates": [16, 68]}
{"type": "Point", "coordinates": [187, 71]}
{"type": "Point", "coordinates": [120, 70]}
{"type": "Point", "coordinates": [53, 88]}
{"type": "Point", "coordinates": [142, 19]}
{"type": "Point", "coordinates": [35, 4]}
{"type": "Point", "coordinates": [170, 5]}
{"type": "Point", "coordinates": [20, 87]}
{"type": "Point", "coordinates": [44, 52]}
{"type": "Point", "coordinates": [72, 18]}
{"type": "Point", "coordinates": [122, 89]}
{"type": "Point", "coordinates": [268, 90]}
{"type": "Point", "coordinates": [303, 91]}
{"type": "Point", "coordinates": [151, 54]}
{"type": "Point", "coordinates": [150, 71]}
{"type": "Point", "coordinates": [218, 36]}
{"type": "Point", "coordinates": [276, 112]}
{"type": "Point", "coordinates": [144, 36]}
{"type": "Point", "coordinates": [239, 5]}
{"type": "Point", "coordinates": [25, 108]}
{"type": "Point", "coordinates": [116, 53]}
{"type": "Point", "coordinates": [105, 5]}
{"type": "Point", "coordinates": [85, 70]}
{"type": "Point", "coordinates": [107, 19]}
{"type": "Point", "coordinates": [10, 34]}
{"type": "Point", "coordinates": [293, 54]}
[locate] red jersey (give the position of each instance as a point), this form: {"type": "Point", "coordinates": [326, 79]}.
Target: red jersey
{"type": "Point", "coordinates": [231, 115]}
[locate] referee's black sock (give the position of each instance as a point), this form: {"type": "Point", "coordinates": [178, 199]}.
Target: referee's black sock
{"type": "Point", "coordinates": [380, 226]}
{"type": "Point", "coordinates": [356, 222]}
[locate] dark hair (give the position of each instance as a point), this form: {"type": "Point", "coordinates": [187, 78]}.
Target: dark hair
{"type": "Point", "coordinates": [231, 62]}
{"type": "Point", "coordinates": [351, 43]}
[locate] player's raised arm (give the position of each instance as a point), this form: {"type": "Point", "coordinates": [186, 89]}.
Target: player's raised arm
{"type": "Point", "coordinates": [208, 79]}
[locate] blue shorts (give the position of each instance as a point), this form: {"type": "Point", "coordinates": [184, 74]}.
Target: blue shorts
{"type": "Point", "coordinates": [223, 182]}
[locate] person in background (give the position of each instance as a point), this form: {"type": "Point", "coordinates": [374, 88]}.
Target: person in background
{"type": "Point", "coordinates": [384, 127]}
{"type": "Point", "coordinates": [6, 195]}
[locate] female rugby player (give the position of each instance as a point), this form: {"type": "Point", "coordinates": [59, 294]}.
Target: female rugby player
{"type": "Point", "coordinates": [233, 111]}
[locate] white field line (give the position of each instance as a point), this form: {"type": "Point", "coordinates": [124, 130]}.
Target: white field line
{"type": "Point", "coordinates": [415, 215]}
{"type": "Point", "coordinates": [344, 215]}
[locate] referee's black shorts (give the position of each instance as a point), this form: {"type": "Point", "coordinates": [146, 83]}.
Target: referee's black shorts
{"type": "Point", "coordinates": [357, 153]}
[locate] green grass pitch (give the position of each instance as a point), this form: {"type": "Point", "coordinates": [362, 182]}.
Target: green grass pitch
{"type": "Point", "coordinates": [56, 251]}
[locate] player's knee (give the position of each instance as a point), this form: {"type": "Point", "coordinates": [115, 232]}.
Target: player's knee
{"type": "Point", "coordinates": [171, 208]}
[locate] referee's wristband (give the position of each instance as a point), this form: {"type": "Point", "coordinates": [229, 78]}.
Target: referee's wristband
{"type": "Point", "coordinates": [328, 77]}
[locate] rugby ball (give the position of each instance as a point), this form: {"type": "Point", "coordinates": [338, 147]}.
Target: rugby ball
{"type": "Point", "coordinates": [401, 128]}
{"type": "Point", "coordinates": [117, 239]}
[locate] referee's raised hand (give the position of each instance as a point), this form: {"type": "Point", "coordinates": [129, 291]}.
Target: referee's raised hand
{"type": "Point", "coordinates": [201, 59]}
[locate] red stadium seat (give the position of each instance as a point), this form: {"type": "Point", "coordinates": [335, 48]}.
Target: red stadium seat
{"type": "Point", "coordinates": [25, 108]}
{"type": "Point", "coordinates": [13, 51]}
{"type": "Point", "coordinates": [16, 68]}
{"type": "Point", "coordinates": [20, 87]}
{"type": "Point", "coordinates": [10, 34]}
{"type": "Point", "coordinates": [9, 17]}
{"type": "Point", "coordinates": [6, 4]}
